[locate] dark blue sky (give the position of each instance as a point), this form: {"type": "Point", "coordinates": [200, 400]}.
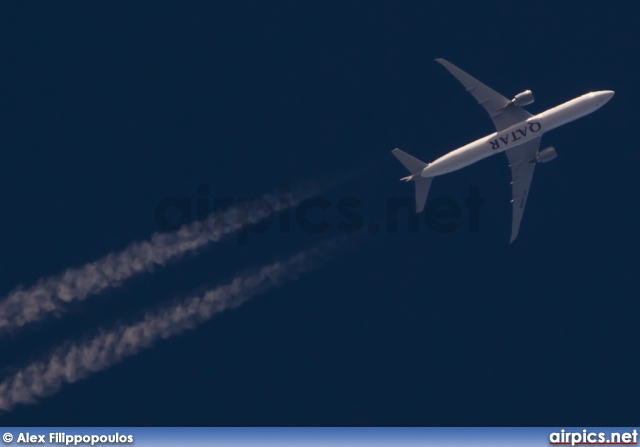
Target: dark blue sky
{"type": "Point", "coordinates": [107, 108]}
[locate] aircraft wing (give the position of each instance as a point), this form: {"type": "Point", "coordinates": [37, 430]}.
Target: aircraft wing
{"type": "Point", "coordinates": [522, 161]}
{"type": "Point", "coordinates": [501, 110]}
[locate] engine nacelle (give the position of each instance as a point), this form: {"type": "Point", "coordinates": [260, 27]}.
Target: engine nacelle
{"type": "Point", "coordinates": [546, 155]}
{"type": "Point", "coordinates": [523, 99]}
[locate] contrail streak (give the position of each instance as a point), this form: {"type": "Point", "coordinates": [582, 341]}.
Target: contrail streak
{"type": "Point", "coordinates": [72, 362]}
{"type": "Point", "coordinates": [49, 295]}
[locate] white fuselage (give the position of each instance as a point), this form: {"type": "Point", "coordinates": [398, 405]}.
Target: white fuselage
{"type": "Point", "coordinates": [517, 134]}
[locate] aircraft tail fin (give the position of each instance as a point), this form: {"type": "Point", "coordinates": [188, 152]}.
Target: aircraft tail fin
{"type": "Point", "coordinates": [422, 184]}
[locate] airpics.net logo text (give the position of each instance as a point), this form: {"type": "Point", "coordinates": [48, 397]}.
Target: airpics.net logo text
{"type": "Point", "coordinates": [316, 215]}
{"type": "Point", "coordinates": [586, 437]}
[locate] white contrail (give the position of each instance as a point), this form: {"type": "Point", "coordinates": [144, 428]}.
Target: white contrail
{"type": "Point", "coordinates": [49, 295]}
{"type": "Point", "coordinates": [72, 362]}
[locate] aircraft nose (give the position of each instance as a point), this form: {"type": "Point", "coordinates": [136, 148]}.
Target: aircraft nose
{"type": "Point", "coordinates": [602, 97]}
{"type": "Point", "coordinates": [606, 95]}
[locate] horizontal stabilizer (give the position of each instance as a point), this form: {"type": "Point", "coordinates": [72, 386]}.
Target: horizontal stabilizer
{"type": "Point", "coordinates": [415, 166]}
{"type": "Point", "coordinates": [422, 191]}
{"type": "Point", "coordinates": [412, 164]}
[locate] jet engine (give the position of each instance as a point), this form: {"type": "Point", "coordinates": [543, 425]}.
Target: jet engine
{"type": "Point", "coordinates": [523, 99]}
{"type": "Point", "coordinates": [546, 155]}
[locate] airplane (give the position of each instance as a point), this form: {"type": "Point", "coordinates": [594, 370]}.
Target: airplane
{"type": "Point", "coordinates": [518, 134]}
